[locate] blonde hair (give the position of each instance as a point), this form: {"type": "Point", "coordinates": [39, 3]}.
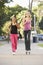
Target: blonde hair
{"type": "Point", "coordinates": [27, 13]}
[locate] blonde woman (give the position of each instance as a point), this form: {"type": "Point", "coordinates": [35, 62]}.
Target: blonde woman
{"type": "Point", "coordinates": [13, 33]}
{"type": "Point", "coordinates": [27, 31]}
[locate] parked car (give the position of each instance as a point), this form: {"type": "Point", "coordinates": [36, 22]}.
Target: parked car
{"type": "Point", "coordinates": [2, 37]}
{"type": "Point", "coordinates": [40, 37]}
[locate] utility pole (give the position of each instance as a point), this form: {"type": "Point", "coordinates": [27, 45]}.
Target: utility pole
{"type": "Point", "coordinates": [34, 23]}
{"type": "Point", "coordinates": [30, 5]}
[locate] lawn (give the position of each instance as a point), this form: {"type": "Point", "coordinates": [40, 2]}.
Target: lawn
{"type": "Point", "coordinates": [41, 45]}
{"type": "Point", "coordinates": [1, 44]}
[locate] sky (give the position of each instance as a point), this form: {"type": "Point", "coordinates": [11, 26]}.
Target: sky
{"type": "Point", "coordinates": [23, 3]}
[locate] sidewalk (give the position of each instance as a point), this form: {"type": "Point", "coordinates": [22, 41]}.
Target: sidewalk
{"type": "Point", "coordinates": [6, 48]}
{"type": "Point", "coordinates": [6, 57]}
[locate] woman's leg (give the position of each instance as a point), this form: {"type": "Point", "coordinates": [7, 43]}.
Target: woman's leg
{"type": "Point", "coordinates": [15, 38]}
{"type": "Point", "coordinates": [29, 33]}
{"type": "Point", "coordinates": [25, 37]}
{"type": "Point", "coordinates": [12, 38]}
{"type": "Point", "coordinates": [27, 40]}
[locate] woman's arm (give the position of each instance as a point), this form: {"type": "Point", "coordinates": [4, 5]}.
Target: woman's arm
{"type": "Point", "coordinates": [24, 21]}
{"type": "Point", "coordinates": [18, 25]}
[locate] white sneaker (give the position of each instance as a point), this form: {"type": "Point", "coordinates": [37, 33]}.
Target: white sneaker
{"type": "Point", "coordinates": [13, 53]}
{"type": "Point", "coordinates": [27, 52]}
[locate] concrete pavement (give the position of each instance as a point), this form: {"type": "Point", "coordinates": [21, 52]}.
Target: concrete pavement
{"type": "Point", "coordinates": [20, 58]}
{"type": "Point", "coordinates": [6, 48]}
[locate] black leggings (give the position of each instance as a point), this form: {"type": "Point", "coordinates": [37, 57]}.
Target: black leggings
{"type": "Point", "coordinates": [27, 39]}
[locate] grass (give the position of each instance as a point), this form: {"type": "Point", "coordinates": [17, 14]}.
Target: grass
{"type": "Point", "coordinates": [41, 45]}
{"type": "Point", "coordinates": [1, 44]}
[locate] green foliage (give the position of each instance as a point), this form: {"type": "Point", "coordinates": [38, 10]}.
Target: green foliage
{"type": "Point", "coordinates": [41, 4]}
{"type": "Point", "coordinates": [5, 1]}
{"type": "Point", "coordinates": [3, 16]}
{"type": "Point", "coordinates": [37, 11]}
{"type": "Point", "coordinates": [8, 12]}
{"type": "Point", "coordinates": [5, 27]}
{"type": "Point", "coordinates": [41, 24]}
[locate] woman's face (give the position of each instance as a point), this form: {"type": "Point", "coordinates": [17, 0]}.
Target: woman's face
{"type": "Point", "coordinates": [27, 14]}
{"type": "Point", "coordinates": [13, 19]}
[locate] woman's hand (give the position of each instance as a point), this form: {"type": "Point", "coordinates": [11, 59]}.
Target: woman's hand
{"type": "Point", "coordinates": [18, 25]}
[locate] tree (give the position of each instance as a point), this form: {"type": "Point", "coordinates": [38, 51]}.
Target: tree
{"type": "Point", "coordinates": [8, 12]}
{"type": "Point", "coordinates": [38, 12]}
{"type": "Point", "coordinates": [2, 2]}
{"type": "Point", "coordinates": [2, 14]}
{"type": "Point", "coordinates": [41, 24]}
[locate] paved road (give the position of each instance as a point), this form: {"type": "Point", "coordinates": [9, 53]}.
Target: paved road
{"type": "Point", "coordinates": [6, 57]}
